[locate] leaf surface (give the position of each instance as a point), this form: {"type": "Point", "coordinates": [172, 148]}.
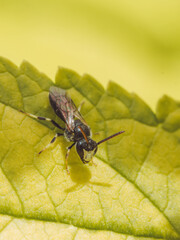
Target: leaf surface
{"type": "Point", "coordinates": [132, 193]}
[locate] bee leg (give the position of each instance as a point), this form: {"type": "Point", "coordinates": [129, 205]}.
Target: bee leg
{"type": "Point", "coordinates": [45, 119]}
{"type": "Point", "coordinates": [79, 108]}
{"type": "Point", "coordinates": [67, 155]}
{"type": "Point", "coordinates": [54, 138]}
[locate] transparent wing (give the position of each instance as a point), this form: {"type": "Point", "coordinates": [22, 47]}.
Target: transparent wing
{"type": "Point", "coordinates": [64, 107]}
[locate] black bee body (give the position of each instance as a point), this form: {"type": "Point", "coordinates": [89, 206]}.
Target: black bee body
{"type": "Point", "coordinates": [76, 129]}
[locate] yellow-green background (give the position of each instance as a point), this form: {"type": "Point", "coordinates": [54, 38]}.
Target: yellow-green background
{"type": "Point", "coordinates": [134, 43]}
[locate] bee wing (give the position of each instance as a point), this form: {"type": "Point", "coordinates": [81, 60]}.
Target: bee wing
{"type": "Point", "coordinates": [64, 107]}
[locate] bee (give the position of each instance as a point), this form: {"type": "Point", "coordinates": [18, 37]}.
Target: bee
{"type": "Point", "coordinates": [76, 129]}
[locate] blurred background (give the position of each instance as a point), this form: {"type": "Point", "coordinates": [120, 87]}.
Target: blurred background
{"type": "Point", "coordinates": [134, 43]}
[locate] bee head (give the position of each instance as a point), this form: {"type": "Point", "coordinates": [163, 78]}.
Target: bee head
{"type": "Point", "coordinates": [86, 150]}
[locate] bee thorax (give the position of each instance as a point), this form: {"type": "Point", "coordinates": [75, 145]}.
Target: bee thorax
{"type": "Point", "coordinates": [69, 136]}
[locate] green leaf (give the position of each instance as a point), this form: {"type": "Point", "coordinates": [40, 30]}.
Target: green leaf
{"type": "Point", "coordinates": [132, 193]}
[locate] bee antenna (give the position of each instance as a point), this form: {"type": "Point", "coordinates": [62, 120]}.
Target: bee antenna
{"type": "Point", "coordinates": [106, 139]}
